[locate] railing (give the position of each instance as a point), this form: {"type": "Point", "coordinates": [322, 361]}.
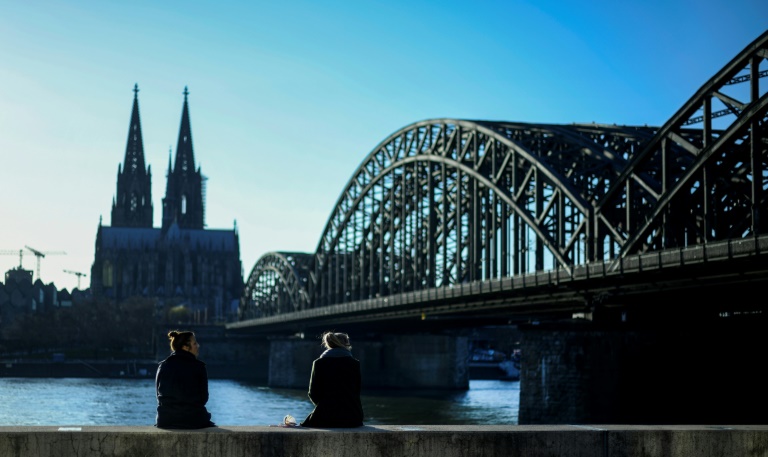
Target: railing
{"type": "Point", "coordinates": [546, 291]}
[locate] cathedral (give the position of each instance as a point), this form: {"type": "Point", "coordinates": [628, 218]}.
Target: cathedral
{"type": "Point", "coordinates": [180, 263]}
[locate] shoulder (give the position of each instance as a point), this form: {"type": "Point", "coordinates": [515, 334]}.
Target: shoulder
{"type": "Point", "coordinates": [182, 359]}
{"type": "Point", "coordinates": [168, 360]}
{"type": "Point", "coordinates": [336, 361]}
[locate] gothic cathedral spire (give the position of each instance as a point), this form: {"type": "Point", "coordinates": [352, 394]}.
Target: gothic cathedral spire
{"type": "Point", "coordinates": [132, 206]}
{"type": "Point", "coordinates": [183, 202]}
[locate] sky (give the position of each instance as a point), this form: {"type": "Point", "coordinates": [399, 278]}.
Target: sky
{"type": "Point", "coordinates": [287, 98]}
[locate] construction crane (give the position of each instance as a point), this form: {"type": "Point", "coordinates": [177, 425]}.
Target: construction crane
{"type": "Point", "coordinates": [76, 273]}
{"type": "Point", "coordinates": [40, 255]}
{"type": "Point", "coordinates": [20, 253]}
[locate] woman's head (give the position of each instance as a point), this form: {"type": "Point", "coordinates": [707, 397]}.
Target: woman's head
{"type": "Point", "coordinates": [336, 340]}
{"type": "Point", "coordinates": [184, 340]}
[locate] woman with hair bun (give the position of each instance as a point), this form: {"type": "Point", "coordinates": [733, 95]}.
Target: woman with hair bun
{"type": "Point", "coordinates": [334, 386]}
{"type": "Point", "coordinates": [181, 385]}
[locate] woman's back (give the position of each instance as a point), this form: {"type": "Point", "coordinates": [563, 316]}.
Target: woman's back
{"type": "Point", "coordinates": [334, 389]}
{"type": "Point", "coordinates": [181, 385]}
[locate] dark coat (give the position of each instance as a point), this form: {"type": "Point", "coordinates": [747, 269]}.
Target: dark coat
{"type": "Point", "coordinates": [334, 388]}
{"type": "Point", "coordinates": [181, 384]}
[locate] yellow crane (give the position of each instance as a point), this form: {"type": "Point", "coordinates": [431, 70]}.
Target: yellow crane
{"type": "Point", "coordinates": [76, 273]}
{"type": "Point", "coordinates": [40, 255]}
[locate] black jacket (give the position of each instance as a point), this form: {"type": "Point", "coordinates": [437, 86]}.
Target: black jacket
{"type": "Point", "coordinates": [181, 384]}
{"type": "Point", "coordinates": [334, 388]}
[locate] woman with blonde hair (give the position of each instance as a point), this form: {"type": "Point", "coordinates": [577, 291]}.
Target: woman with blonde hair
{"type": "Point", "coordinates": [334, 386]}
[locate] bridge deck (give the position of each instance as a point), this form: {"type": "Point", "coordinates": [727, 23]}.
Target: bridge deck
{"type": "Point", "coordinates": [548, 294]}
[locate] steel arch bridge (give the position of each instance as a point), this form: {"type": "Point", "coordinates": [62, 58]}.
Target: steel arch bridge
{"type": "Point", "coordinates": [444, 202]}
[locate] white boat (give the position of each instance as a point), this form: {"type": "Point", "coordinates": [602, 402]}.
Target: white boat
{"type": "Point", "coordinates": [492, 364]}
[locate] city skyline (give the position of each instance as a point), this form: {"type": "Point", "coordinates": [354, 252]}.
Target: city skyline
{"type": "Point", "coordinates": [287, 100]}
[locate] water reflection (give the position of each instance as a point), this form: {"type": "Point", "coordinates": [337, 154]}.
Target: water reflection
{"type": "Point", "coordinates": [77, 401]}
{"type": "Point", "coordinates": [487, 402]}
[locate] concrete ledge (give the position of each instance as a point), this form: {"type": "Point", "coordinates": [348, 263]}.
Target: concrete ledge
{"type": "Point", "coordinates": [390, 441]}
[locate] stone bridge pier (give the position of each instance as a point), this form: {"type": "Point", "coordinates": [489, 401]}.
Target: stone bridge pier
{"type": "Point", "coordinates": [681, 372]}
{"type": "Point", "coordinates": [389, 361]}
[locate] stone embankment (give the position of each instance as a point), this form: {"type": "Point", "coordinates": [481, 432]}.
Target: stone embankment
{"type": "Point", "coordinates": [390, 441]}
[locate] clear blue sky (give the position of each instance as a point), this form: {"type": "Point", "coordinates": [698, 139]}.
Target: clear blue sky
{"type": "Point", "coordinates": [287, 98]}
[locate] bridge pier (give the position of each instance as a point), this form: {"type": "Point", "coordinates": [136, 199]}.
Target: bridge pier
{"type": "Point", "coordinates": [387, 361]}
{"type": "Point", "coordinates": [583, 372]}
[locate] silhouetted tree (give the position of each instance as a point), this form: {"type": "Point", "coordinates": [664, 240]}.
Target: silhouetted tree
{"type": "Point", "coordinates": [97, 327]}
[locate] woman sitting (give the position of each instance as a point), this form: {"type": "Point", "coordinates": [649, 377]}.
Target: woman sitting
{"type": "Point", "coordinates": [182, 385]}
{"type": "Point", "coordinates": [334, 386]}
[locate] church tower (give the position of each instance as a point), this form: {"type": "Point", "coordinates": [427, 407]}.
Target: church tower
{"type": "Point", "coordinates": [132, 206]}
{"type": "Point", "coordinates": [183, 202]}
{"type": "Point", "coordinates": [180, 263]}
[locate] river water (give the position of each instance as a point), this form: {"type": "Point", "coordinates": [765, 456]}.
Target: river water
{"type": "Point", "coordinates": [99, 401]}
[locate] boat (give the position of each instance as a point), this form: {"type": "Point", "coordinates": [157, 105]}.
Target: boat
{"type": "Point", "coordinates": [493, 364]}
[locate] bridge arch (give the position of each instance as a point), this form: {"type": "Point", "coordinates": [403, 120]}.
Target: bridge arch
{"type": "Point", "coordinates": [443, 202]}
{"type": "Point", "coordinates": [277, 284]}
{"type": "Point", "coordinates": [689, 186]}
{"type": "Point", "coordinates": [446, 201]}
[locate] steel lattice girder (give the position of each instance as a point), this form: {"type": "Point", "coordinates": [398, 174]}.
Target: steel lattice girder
{"type": "Point", "coordinates": [443, 202]}
{"type": "Point", "coordinates": [277, 284]}
{"type": "Point", "coordinates": [448, 201]}
{"type": "Point", "coordinates": [641, 216]}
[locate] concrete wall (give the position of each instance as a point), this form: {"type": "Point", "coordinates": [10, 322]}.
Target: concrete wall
{"type": "Point", "coordinates": [389, 441]}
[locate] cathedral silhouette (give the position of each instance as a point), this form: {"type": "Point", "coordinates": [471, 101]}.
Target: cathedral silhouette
{"type": "Point", "coordinates": [180, 263]}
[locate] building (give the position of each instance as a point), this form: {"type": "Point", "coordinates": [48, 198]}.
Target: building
{"type": "Point", "coordinates": [20, 296]}
{"type": "Point", "coordinates": [181, 262]}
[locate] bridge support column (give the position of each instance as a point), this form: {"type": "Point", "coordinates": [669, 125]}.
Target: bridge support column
{"type": "Point", "coordinates": [387, 361]}
{"type": "Point", "coordinates": [420, 361]}
{"type": "Point", "coordinates": [290, 362]}
{"type": "Point", "coordinates": [684, 373]}
{"type": "Point", "coordinates": [239, 357]}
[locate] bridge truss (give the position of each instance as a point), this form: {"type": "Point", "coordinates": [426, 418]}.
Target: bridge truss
{"type": "Point", "coordinates": [447, 202]}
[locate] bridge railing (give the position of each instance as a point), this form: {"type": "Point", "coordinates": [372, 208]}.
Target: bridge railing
{"type": "Point", "coordinates": [546, 292]}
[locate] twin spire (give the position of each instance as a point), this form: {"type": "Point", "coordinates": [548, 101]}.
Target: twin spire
{"type": "Point", "coordinates": [134, 152]}
{"type": "Point", "coordinates": [185, 157]}
{"type": "Point", "coordinates": [183, 201]}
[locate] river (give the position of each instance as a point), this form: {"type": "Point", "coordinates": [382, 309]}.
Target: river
{"type": "Point", "coordinates": [100, 401]}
